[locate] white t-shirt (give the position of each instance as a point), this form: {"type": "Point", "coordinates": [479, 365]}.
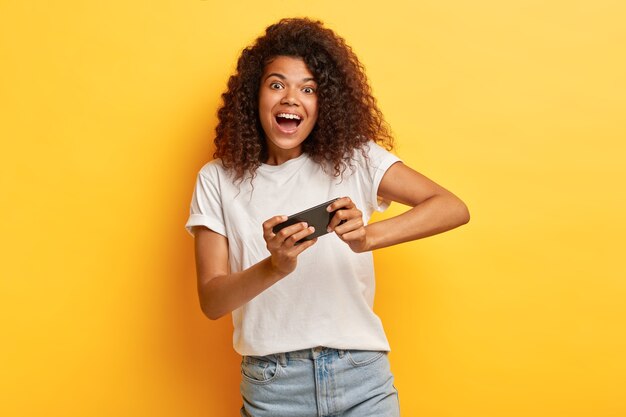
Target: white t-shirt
{"type": "Point", "coordinates": [327, 300]}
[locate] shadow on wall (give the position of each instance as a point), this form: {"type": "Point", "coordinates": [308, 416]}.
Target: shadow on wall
{"type": "Point", "coordinates": [199, 351]}
{"type": "Point", "coordinates": [203, 358]}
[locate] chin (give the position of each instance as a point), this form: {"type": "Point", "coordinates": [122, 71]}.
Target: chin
{"type": "Point", "coordinates": [287, 144]}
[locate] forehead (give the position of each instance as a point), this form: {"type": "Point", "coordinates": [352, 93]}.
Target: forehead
{"type": "Point", "coordinates": [287, 66]}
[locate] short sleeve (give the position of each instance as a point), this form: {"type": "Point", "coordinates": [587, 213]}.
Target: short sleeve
{"type": "Point", "coordinates": [379, 160]}
{"type": "Point", "coordinates": [206, 202]}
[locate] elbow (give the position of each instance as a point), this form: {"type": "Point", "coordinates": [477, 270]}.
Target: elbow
{"type": "Point", "coordinates": [463, 214]}
{"type": "Point", "coordinates": [211, 313]}
{"type": "Point", "coordinates": [209, 307]}
{"type": "Point", "coordinates": [214, 317]}
{"type": "Point", "coordinates": [457, 212]}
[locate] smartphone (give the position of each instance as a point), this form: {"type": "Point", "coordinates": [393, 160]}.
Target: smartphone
{"type": "Point", "coordinates": [316, 216]}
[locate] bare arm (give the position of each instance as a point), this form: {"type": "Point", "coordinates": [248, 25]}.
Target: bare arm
{"type": "Point", "coordinates": [433, 210]}
{"type": "Point", "coordinates": [221, 292]}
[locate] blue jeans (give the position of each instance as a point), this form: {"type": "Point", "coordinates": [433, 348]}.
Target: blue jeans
{"type": "Point", "coordinates": [319, 382]}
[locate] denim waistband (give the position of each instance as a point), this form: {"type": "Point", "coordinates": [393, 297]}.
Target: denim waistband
{"type": "Point", "coordinates": [311, 354]}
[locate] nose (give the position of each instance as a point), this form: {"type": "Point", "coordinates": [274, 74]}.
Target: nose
{"type": "Point", "coordinates": [288, 98]}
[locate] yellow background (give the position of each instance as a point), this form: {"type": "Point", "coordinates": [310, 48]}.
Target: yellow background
{"type": "Point", "coordinates": [108, 110]}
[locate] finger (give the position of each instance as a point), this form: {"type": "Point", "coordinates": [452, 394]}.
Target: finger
{"type": "Point", "coordinates": [342, 216]}
{"type": "Point", "coordinates": [298, 249]}
{"type": "Point", "coordinates": [350, 225]}
{"type": "Point", "coordinates": [269, 224]}
{"type": "Point", "coordinates": [343, 202]}
{"type": "Point", "coordinates": [294, 238]}
{"type": "Point", "coordinates": [353, 235]}
{"type": "Point", "coordinates": [286, 233]}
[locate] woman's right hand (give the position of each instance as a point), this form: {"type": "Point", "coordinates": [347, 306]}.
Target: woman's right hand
{"type": "Point", "coordinates": [282, 245]}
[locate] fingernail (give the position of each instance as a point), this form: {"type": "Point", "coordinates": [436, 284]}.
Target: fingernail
{"type": "Point", "coordinates": [328, 229]}
{"type": "Point", "coordinates": [312, 228]}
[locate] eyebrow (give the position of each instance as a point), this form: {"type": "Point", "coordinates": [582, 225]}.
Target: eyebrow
{"type": "Point", "coordinates": [282, 77]}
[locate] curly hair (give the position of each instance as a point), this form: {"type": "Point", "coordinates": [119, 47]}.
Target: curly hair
{"type": "Point", "coordinates": [348, 116]}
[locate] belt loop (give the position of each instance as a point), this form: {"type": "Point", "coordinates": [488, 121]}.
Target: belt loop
{"type": "Point", "coordinates": [282, 359]}
{"type": "Point", "coordinates": [341, 353]}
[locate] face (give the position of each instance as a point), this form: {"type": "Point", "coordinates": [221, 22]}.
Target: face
{"type": "Point", "coordinates": [287, 107]}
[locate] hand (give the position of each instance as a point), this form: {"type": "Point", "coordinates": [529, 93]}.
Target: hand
{"type": "Point", "coordinates": [282, 245]}
{"type": "Point", "coordinates": [348, 224]}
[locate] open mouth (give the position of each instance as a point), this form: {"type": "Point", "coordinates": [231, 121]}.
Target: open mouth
{"type": "Point", "coordinates": [288, 121]}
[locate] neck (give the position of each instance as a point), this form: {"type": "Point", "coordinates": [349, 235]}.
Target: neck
{"type": "Point", "coordinates": [280, 156]}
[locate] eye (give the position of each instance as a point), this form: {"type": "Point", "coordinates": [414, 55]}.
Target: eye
{"type": "Point", "coordinates": [275, 85]}
{"type": "Point", "coordinates": [308, 90]}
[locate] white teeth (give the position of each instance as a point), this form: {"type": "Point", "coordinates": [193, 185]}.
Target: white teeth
{"type": "Point", "coordinates": [288, 116]}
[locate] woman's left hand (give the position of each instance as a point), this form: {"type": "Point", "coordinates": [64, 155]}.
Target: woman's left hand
{"type": "Point", "coordinates": [348, 224]}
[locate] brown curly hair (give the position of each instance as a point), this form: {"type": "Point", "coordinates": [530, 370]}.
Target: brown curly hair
{"type": "Point", "coordinates": [348, 116]}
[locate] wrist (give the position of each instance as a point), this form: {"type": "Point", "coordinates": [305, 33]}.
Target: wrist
{"type": "Point", "coordinates": [370, 238]}
{"type": "Point", "coordinates": [273, 271]}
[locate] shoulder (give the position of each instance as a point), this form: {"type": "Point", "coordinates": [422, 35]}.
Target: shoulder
{"type": "Point", "coordinates": [213, 169]}
{"type": "Point", "coordinates": [215, 176]}
{"type": "Point", "coordinates": [374, 155]}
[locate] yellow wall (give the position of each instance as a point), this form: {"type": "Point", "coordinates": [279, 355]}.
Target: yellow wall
{"type": "Point", "coordinates": [106, 114]}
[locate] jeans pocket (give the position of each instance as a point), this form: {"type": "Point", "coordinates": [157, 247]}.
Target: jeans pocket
{"type": "Point", "coordinates": [363, 357]}
{"type": "Point", "coordinates": [259, 369]}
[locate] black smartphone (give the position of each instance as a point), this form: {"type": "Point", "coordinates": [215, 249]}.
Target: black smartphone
{"type": "Point", "coordinates": [316, 216]}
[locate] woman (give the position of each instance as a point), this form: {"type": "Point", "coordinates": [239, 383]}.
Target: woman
{"type": "Point", "coordinates": [298, 127]}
